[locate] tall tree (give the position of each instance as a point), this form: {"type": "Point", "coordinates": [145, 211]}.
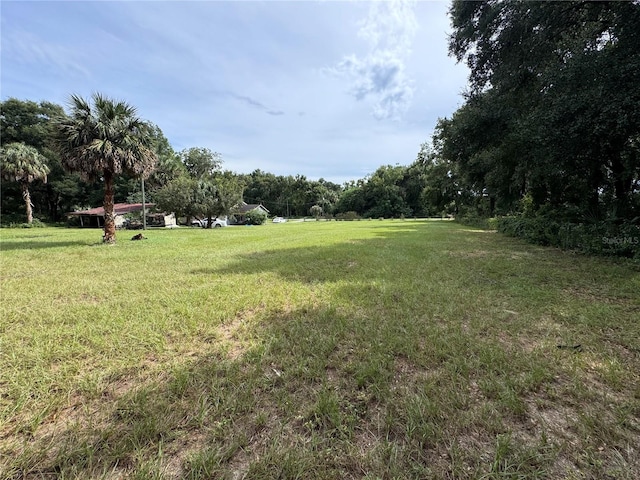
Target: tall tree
{"type": "Point", "coordinates": [181, 195]}
{"type": "Point", "coordinates": [199, 188]}
{"type": "Point", "coordinates": [219, 195]}
{"type": "Point", "coordinates": [24, 164]}
{"type": "Point", "coordinates": [169, 164]}
{"type": "Point", "coordinates": [384, 194]}
{"type": "Point", "coordinates": [553, 106]}
{"type": "Point", "coordinates": [431, 183]}
{"type": "Point", "coordinates": [201, 162]}
{"type": "Point", "coordinates": [168, 168]}
{"type": "Point", "coordinates": [31, 123]}
{"type": "Point", "coordinates": [104, 140]}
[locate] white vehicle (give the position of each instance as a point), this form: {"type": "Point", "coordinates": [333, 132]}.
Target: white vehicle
{"type": "Point", "coordinates": [279, 220]}
{"type": "Point", "coordinates": [215, 222]}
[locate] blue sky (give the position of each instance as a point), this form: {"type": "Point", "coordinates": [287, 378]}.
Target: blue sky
{"type": "Point", "coordinates": [324, 89]}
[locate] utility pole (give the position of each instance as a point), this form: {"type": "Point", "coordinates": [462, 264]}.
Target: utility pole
{"type": "Point", "coordinates": [144, 213]}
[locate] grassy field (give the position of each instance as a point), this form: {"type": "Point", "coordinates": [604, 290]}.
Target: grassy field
{"type": "Point", "coordinates": [318, 350]}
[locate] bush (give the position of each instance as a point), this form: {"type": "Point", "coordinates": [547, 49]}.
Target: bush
{"type": "Point", "coordinates": [601, 238]}
{"type": "Point", "coordinates": [539, 230]}
{"type": "Point", "coordinates": [256, 217]}
{"type": "Point", "coordinates": [35, 224]}
{"type": "Point", "coordinates": [350, 215]}
{"type": "Point", "coordinates": [73, 221]}
{"type": "Point", "coordinates": [598, 238]}
{"type": "Point", "coordinates": [474, 220]}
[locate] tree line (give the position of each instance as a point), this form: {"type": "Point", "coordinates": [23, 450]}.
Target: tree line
{"type": "Point", "coordinates": [78, 159]}
{"type": "Point", "coordinates": [548, 137]}
{"type": "Point", "coordinates": [551, 120]}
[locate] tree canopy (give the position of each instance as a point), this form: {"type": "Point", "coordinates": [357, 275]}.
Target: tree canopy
{"type": "Point", "coordinates": [553, 107]}
{"type": "Point", "coordinates": [23, 164]}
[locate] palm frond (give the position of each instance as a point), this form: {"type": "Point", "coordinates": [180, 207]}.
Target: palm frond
{"type": "Point", "coordinates": [22, 163]}
{"type": "Point", "coordinates": [104, 136]}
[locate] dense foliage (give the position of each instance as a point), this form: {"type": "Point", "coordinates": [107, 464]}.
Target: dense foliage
{"type": "Point", "coordinates": [198, 188]}
{"type": "Point", "coordinates": [191, 184]}
{"type": "Point", "coordinates": [31, 123]}
{"type": "Point", "coordinates": [552, 114]}
{"type": "Point", "coordinates": [255, 217]}
{"type": "Point", "coordinates": [289, 196]}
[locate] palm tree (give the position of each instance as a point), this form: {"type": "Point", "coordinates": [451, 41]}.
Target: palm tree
{"type": "Point", "coordinates": [104, 140]}
{"type": "Point", "coordinates": [24, 164]}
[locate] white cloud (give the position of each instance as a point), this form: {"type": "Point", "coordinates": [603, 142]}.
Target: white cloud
{"type": "Point", "coordinates": [252, 102]}
{"type": "Point", "coordinates": [390, 25]}
{"type": "Point", "coordinates": [27, 48]}
{"type": "Point", "coordinates": [380, 76]}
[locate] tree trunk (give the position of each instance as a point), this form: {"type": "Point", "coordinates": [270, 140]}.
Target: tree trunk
{"type": "Point", "coordinates": [109, 217]}
{"type": "Point", "coordinates": [593, 196]}
{"type": "Point", "coordinates": [620, 185]}
{"type": "Point", "coordinates": [53, 202]}
{"type": "Point", "coordinates": [27, 201]}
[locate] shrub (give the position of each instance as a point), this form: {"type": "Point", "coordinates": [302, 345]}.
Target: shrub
{"type": "Point", "coordinates": [350, 215]}
{"type": "Point", "coordinates": [597, 238]}
{"type": "Point", "coordinates": [474, 220]}
{"type": "Point", "coordinates": [316, 211]}
{"type": "Point", "coordinates": [256, 217]}
{"type": "Point", "coordinates": [539, 230]}
{"type": "Point", "coordinates": [35, 224]}
{"type": "Point", "coordinates": [601, 238]}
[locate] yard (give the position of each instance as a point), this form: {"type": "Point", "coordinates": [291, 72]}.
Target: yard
{"type": "Point", "coordinates": [367, 349]}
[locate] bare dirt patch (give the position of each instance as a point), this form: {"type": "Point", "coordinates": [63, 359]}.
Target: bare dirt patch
{"type": "Point", "coordinates": [469, 254]}
{"type": "Point", "coordinates": [231, 333]}
{"type": "Point", "coordinates": [179, 451]}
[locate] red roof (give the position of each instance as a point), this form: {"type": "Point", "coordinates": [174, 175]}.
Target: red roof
{"type": "Point", "coordinates": [118, 209]}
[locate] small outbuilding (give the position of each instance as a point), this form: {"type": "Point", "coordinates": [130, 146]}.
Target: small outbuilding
{"type": "Point", "coordinates": [161, 220]}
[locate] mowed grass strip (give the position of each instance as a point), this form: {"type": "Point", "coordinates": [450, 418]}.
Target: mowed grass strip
{"type": "Point", "coordinates": [372, 349]}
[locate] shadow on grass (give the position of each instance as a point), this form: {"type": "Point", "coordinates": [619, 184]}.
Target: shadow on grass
{"type": "Point", "coordinates": [319, 395]}
{"type": "Point", "coordinates": [220, 402]}
{"type": "Point", "coordinates": [38, 245]}
{"type": "Point", "coordinates": [291, 406]}
{"type": "Point", "coordinates": [380, 381]}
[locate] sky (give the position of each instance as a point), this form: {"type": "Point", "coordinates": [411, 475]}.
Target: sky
{"type": "Point", "coordinates": [324, 89]}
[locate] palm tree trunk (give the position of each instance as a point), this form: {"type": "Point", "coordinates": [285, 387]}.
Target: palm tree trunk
{"type": "Point", "coordinates": [109, 217]}
{"type": "Point", "coordinates": [27, 201]}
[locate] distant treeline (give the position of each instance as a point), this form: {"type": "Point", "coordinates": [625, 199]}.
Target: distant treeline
{"type": "Point", "coordinates": [390, 192]}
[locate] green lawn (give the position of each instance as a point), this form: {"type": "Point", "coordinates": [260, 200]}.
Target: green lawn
{"type": "Point", "coordinates": [371, 349]}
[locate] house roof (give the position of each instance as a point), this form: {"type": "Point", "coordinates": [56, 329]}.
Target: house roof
{"type": "Point", "coordinates": [247, 207]}
{"type": "Point", "coordinates": [118, 209]}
